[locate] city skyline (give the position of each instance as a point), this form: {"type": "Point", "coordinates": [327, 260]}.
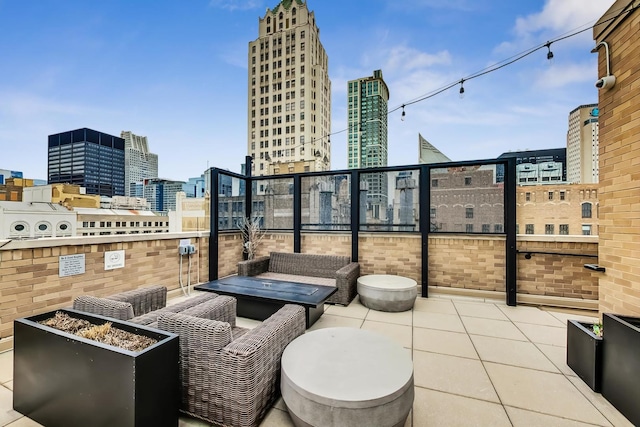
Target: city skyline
{"type": "Point", "coordinates": [177, 74]}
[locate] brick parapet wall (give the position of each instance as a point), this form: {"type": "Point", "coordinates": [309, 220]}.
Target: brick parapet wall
{"type": "Point", "coordinates": [562, 275]}
{"type": "Point", "coordinates": [619, 151]}
{"type": "Point", "coordinates": [29, 270]}
{"type": "Point", "coordinates": [467, 262]}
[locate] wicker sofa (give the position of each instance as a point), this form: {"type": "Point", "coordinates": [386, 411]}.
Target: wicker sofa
{"type": "Point", "coordinates": [328, 270]}
{"type": "Point", "coordinates": [230, 376]}
{"type": "Point", "coordinates": [141, 306]}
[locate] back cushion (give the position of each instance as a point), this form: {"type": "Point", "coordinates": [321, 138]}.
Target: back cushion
{"type": "Point", "coordinates": [307, 264]}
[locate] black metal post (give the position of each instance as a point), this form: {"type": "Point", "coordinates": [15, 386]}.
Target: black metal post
{"type": "Point", "coordinates": [425, 225]}
{"type": "Point", "coordinates": [355, 214]}
{"type": "Point", "coordinates": [213, 224]}
{"type": "Point", "coordinates": [510, 225]}
{"type": "Point", "coordinates": [249, 187]}
{"type": "Point", "coordinates": [297, 212]}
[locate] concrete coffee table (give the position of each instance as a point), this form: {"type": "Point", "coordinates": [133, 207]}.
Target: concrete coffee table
{"type": "Point", "coordinates": [385, 292]}
{"type": "Point", "coordinates": [346, 377]}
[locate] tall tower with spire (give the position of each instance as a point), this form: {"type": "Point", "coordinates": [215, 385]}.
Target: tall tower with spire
{"type": "Point", "coordinates": [289, 96]}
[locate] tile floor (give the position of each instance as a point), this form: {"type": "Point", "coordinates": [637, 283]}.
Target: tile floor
{"type": "Point", "coordinates": [476, 362]}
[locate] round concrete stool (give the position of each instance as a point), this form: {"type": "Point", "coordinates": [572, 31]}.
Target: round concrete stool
{"type": "Point", "coordinates": [385, 292]}
{"type": "Point", "coordinates": [346, 377]}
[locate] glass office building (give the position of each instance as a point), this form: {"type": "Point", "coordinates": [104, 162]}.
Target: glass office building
{"type": "Point", "coordinates": [87, 158]}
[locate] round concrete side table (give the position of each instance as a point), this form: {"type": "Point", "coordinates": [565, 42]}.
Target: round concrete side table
{"type": "Point", "coordinates": [346, 377]}
{"type": "Point", "coordinates": [385, 292]}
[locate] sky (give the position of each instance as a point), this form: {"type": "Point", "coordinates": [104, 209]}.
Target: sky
{"type": "Point", "coordinates": [176, 72]}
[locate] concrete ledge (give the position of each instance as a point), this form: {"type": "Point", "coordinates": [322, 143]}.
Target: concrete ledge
{"type": "Point", "coordinates": [527, 299]}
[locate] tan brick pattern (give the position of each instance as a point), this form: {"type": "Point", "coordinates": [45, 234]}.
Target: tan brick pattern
{"type": "Point", "coordinates": [30, 282]}
{"type": "Point", "coordinates": [557, 275]}
{"type": "Point", "coordinates": [391, 254]}
{"type": "Point", "coordinates": [619, 248]}
{"type": "Point", "coordinates": [229, 253]}
{"type": "Point", "coordinates": [326, 244]}
{"type": "Point", "coordinates": [467, 262]}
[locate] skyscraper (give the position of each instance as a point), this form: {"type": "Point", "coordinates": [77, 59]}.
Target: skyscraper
{"type": "Point", "coordinates": [139, 162]}
{"type": "Point", "coordinates": [88, 158]}
{"type": "Point", "coordinates": [368, 99]}
{"type": "Point", "coordinates": [583, 145]}
{"type": "Point", "coordinates": [289, 96]}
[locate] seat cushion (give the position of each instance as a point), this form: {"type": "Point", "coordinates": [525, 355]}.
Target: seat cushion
{"type": "Point", "coordinates": [307, 264]}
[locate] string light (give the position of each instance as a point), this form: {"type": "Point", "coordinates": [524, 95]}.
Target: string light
{"type": "Point", "coordinates": [499, 65]}
{"type": "Point", "coordinates": [549, 53]}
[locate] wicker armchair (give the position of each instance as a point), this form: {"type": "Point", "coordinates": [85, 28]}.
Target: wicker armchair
{"type": "Point", "coordinates": [328, 270]}
{"type": "Point", "coordinates": [230, 376]}
{"type": "Point", "coordinates": [124, 305]}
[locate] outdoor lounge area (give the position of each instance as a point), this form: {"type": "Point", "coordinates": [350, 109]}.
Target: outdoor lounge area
{"type": "Point", "coordinates": [474, 359]}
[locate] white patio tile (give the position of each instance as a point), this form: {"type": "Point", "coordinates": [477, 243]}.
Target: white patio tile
{"type": "Point", "coordinates": [400, 334]}
{"type": "Point", "coordinates": [7, 414]}
{"type": "Point", "coordinates": [6, 366]}
{"type": "Point", "coordinates": [524, 418]}
{"type": "Point", "coordinates": [435, 408]}
{"type": "Point", "coordinates": [443, 322]}
{"type": "Point", "coordinates": [451, 374]}
{"type": "Point", "coordinates": [512, 352]}
{"type": "Point", "coordinates": [532, 315]}
{"type": "Point", "coordinates": [541, 334]}
{"type": "Point", "coordinates": [330, 321]}
{"type": "Point", "coordinates": [435, 305]}
{"type": "Point", "coordinates": [558, 356]}
{"type": "Point", "coordinates": [602, 404]}
{"type": "Point", "coordinates": [399, 318]}
{"type": "Point", "coordinates": [444, 342]}
{"type": "Point", "coordinates": [542, 392]}
{"type": "Point", "coordinates": [484, 310]}
{"type": "Point", "coordinates": [492, 328]}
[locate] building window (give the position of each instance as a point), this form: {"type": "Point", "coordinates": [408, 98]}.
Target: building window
{"type": "Point", "coordinates": [486, 228]}
{"type": "Point", "coordinates": [432, 212]}
{"type": "Point", "coordinates": [564, 229]}
{"type": "Point", "coordinates": [562, 195]}
{"type": "Point", "coordinates": [434, 182]}
{"type": "Point", "coordinates": [529, 229]}
{"type": "Point", "coordinates": [497, 228]}
{"type": "Point", "coordinates": [586, 230]}
{"type": "Point", "coordinates": [586, 210]}
{"type": "Point", "coordinates": [469, 228]}
{"type": "Point", "coordinates": [469, 213]}
{"type": "Point", "coordinates": [527, 196]}
{"type": "Point", "coordinates": [548, 229]}
{"type": "Point", "coordinates": [550, 195]}
{"type": "Point", "coordinates": [517, 228]}
{"type": "Point", "coordinates": [467, 180]}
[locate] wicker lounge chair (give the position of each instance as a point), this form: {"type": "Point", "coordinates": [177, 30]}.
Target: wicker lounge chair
{"type": "Point", "coordinates": [230, 376]}
{"type": "Point", "coordinates": [328, 270]}
{"type": "Point", "coordinates": [141, 306]}
{"type": "Point", "coordinates": [124, 305]}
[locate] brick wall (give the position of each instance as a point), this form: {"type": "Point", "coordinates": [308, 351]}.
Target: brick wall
{"type": "Point", "coordinates": [229, 253]}
{"type": "Point", "coordinates": [558, 275]}
{"type": "Point", "coordinates": [619, 248]}
{"type": "Point", "coordinates": [458, 261]}
{"type": "Point", "coordinates": [391, 254]}
{"type": "Point", "coordinates": [30, 281]}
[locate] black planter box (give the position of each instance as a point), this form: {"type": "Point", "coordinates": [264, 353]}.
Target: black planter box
{"type": "Point", "coordinates": [60, 379]}
{"type": "Point", "coordinates": [621, 364]}
{"type": "Point", "coordinates": [584, 353]}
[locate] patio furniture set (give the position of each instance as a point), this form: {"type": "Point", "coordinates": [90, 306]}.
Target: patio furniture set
{"type": "Point", "coordinates": [231, 376]}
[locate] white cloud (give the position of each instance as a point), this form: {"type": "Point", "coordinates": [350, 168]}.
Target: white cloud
{"type": "Point", "coordinates": [559, 16]}
{"type": "Point", "coordinates": [232, 5]}
{"type": "Point", "coordinates": [561, 75]}
{"type": "Point", "coordinates": [463, 5]}
{"type": "Point", "coordinates": [404, 59]}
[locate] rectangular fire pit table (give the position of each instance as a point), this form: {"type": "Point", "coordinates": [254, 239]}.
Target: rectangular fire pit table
{"type": "Point", "coordinates": [259, 298]}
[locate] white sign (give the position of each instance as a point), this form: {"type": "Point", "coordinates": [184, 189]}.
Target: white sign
{"type": "Point", "coordinates": [113, 260]}
{"type": "Point", "coordinates": [71, 265]}
{"type": "Point", "coordinates": [185, 242]}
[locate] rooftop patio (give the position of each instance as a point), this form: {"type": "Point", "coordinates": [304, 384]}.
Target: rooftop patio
{"type": "Point", "coordinates": [474, 359]}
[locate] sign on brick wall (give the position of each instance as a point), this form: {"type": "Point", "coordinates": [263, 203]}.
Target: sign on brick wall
{"type": "Point", "coordinates": [113, 260]}
{"type": "Point", "coordinates": [71, 265]}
